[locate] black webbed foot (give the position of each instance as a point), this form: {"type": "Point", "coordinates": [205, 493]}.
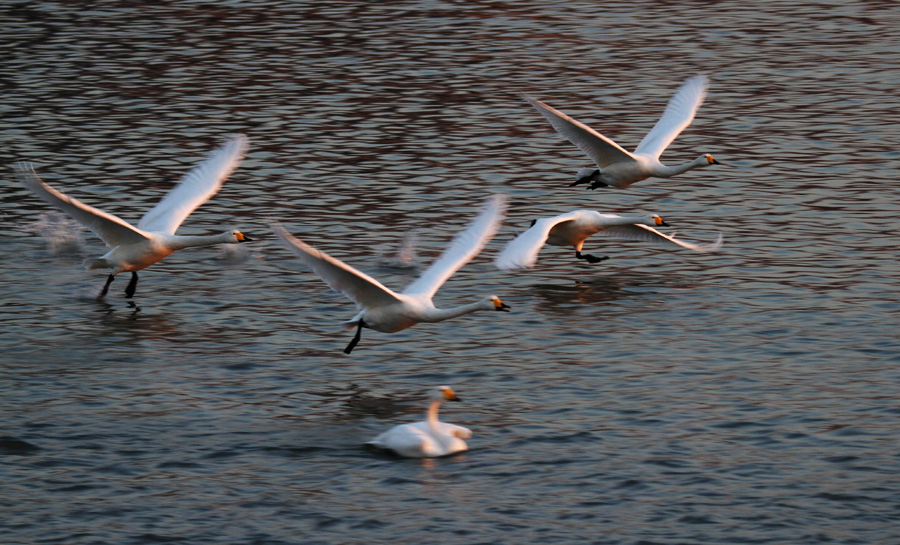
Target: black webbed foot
{"type": "Point", "coordinates": [356, 338]}
{"type": "Point", "coordinates": [132, 285]}
{"type": "Point", "coordinates": [105, 289]}
{"type": "Point", "coordinates": [585, 176]}
{"type": "Point", "coordinates": [595, 185]}
{"type": "Point", "coordinates": [591, 258]}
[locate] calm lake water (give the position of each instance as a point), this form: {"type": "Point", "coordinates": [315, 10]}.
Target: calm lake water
{"type": "Point", "coordinates": [660, 397]}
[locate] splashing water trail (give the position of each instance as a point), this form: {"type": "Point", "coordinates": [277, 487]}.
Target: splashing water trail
{"type": "Point", "coordinates": [62, 234]}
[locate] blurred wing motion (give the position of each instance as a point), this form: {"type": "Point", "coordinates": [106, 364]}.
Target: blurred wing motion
{"type": "Point", "coordinates": [678, 115]}
{"type": "Point", "coordinates": [523, 250]}
{"type": "Point", "coordinates": [359, 287]}
{"type": "Point", "coordinates": [197, 187]}
{"type": "Point", "coordinates": [114, 231]}
{"type": "Point", "coordinates": [644, 233]}
{"type": "Point", "coordinates": [598, 147]}
{"type": "Point", "coordinates": [464, 247]}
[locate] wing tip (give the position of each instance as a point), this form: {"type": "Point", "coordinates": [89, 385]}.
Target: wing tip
{"type": "Point", "coordinates": [717, 244]}
{"type": "Point", "coordinates": [25, 172]}
{"type": "Point", "coordinates": [297, 246]}
{"type": "Point", "coordinates": [498, 202]}
{"type": "Point", "coordinates": [239, 140]}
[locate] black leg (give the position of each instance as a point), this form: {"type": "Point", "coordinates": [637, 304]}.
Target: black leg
{"type": "Point", "coordinates": [356, 338]}
{"type": "Point", "coordinates": [586, 179]}
{"type": "Point", "coordinates": [595, 185]}
{"type": "Point", "coordinates": [132, 285]}
{"type": "Point", "coordinates": [590, 258]}
{"type": "Point", "coordinates": [106, 286]}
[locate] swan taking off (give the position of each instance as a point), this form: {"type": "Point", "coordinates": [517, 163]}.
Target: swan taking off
{"type": "Point", "coordinates": [136, 248]}
{"type": "Point", "coordinates": [617, 167]}
{"type": "Point", "coordinates": [573, 228]}
{"type": "Point", "coordinates": [384, 310]}
{"type": "Point", "coordinates": [428, 439]}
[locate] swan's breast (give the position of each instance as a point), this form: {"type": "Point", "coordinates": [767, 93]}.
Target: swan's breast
{"type": "Point", "coordinates": [391, 318]}
{"type": "Point", "coordinates": [629, 172]}
{"type": "Point", "coordinates": [134, 257]}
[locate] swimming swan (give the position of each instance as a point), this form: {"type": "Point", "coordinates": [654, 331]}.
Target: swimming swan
{"type": "Point", "coordinates": [428, 439]}
{"type": "Point", "coordinates": [136, 248]}
{"type": "Point", "coordinates": [386, 311]}
{"type": "Point", "coordinates": [573, 228]}
{"type": "Point", "coordinates": [617, 167]}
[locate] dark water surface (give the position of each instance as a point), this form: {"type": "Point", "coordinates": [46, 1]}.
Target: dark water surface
{"type": "Point", "coordinates": [746, 396]}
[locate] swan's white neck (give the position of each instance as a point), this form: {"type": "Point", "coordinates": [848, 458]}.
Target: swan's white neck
{"type": "Point", "coordinates": [664, 172]}
{"type": "Point", "coordinates": [623, 220]}
{"type": "Point", "coordinates": [441, 314]}
{"type": "Point", "coordinates": [432, 417]}
{"type": "Point", "coordinates": [179, 242]}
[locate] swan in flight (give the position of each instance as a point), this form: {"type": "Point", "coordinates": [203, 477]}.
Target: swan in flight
{"type": "Point", "coordinates": [617, 167]}
{"type": "Point", "coordinates": [384, 310]}
{"type": "Point", "coordinates": [136, 248]}
{"type": "Point", "coordinates": [428, 439]}
{"type": "Point", "coordinates": [573, 228]}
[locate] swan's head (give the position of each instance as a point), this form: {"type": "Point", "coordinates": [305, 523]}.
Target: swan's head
{"type": "Point", "coordinates": [707, 159]}
{"type": "Point", "coordinates": [444, 393]}
{"type": "Point", "coordinates": [494, 303]}
{"type": "Point", "coordinates": [653, 220]}
{"type": "Point", "coordinates": [237, 236]}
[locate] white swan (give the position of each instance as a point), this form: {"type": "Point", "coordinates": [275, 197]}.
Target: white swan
{"type": "Point", "coordinates": [573, 228]}
{"type": "Point", "coordinates": [136, 248]}
{"type": "Point", "coordinates": [617, 167]}
{"type": "Point", "coordinates": [428, 439]}
{"type": "Point", "coordinates": [386, 311]}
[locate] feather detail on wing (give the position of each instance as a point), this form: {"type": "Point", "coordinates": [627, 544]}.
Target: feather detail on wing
{"type": "Point", "coordinates": [678, 115]}
{"type": "Point", "coordinates": [114, 231]}
{"type": "Point", "coordinates": [644, 233]}
{"type": "Point", "coordinates": [359, 287]}
{"type": "Point", "coordinates": [601, 149]}
{"type": "Point", "coordinates": [195, 188]}
{"type": "Point", "coordinates": [464, 247]}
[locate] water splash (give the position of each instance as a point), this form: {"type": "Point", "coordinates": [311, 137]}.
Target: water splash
{"type": "Point", "coordinates": [405, 257]}
{"type": "Point", "coordinates": [62, 234]}
{"type": "Point", "coordinates": [236, 253]}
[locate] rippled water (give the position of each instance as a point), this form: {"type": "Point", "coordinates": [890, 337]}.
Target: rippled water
{"type": "Point", "coordinates": [747, 396]}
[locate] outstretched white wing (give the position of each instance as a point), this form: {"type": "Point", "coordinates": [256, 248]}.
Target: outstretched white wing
{"type": "Point", "coordinates": [523, 250]}
{"type": "Point", "coordinates": [678, 115]}
{"type": "Point", "coordinates": [598, 147]}
{"type": "Point", "coordinates": [114, 231]}
{"type": "Point", "coordinates": [359, 287]}
{"type": "Point", "coordinates": [464, 247]}
{"type": "Point", "coordinates": [197, 186]}
{"type": "Point", "coordinates": [645, 233]}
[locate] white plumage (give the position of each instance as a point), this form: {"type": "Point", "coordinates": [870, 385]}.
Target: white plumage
{"type": "Point", "coordinates": [428, 439]}
{"type": "Point", "coordinates": [387, 311]}
{"type": "Point", "coordinates": [573, 228]}
{"type": "Point", "coordinates": [619, 168]}
{"type": "Point", "coordinates": [136, 248]}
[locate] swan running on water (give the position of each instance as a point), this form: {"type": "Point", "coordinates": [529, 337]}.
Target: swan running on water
{"type": "Point", "coordinates": [136, 248]}
{"type": "Point", "coordinates": [573, 228]}
{"type": "Point", "coordinates": [387, 311]}
{"type": "Point", "coordinates": [619, 168]}
{"type": "Point", "coordinates": [428, 439]}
